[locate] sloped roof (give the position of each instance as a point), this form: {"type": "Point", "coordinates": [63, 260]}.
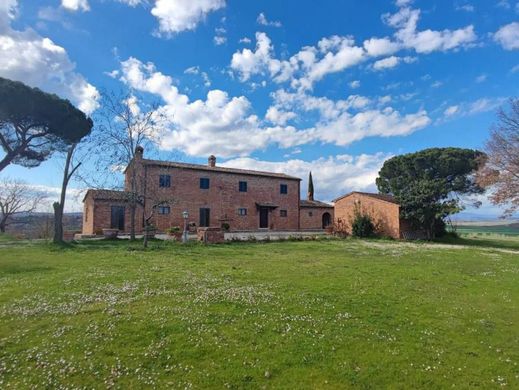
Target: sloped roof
{"type": "Point", "coordinates": [314, 203]}
{"type": "Point", "coordinates": [107, 195]}
{"type": "Point", "coordinates": [384, 197]}
{"type": "Point", "coordinates": [200, 167]}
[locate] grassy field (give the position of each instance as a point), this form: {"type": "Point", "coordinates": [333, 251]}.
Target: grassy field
{"type": "Point", "coordinates": [313, 314]}
{"type": "Point", "coordinates": [475, 230]}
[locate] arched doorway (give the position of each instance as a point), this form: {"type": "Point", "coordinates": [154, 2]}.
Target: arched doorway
{"type": "Point", "coordinates": [327, 220]}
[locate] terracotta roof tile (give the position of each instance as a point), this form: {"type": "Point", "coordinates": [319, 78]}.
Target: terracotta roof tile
{"type": "Point", "coordinates": [201, 167]}
{"type": "Point", "coordinates": [314, 203]}
{"type": "Point", "coordinates": [384, 197]}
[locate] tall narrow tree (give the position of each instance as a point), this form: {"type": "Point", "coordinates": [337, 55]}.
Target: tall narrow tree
{"type": "Point", "coordinates": [310, 195]}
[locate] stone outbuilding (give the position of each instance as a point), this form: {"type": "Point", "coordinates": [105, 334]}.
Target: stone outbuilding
{"type": "Point", "coordinates": [383, 209]}
{"type": "Point", "coordinates": [315, 215]}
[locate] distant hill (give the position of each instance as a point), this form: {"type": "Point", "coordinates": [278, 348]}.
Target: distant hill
{"type": "Point", "coordinates": [41, 225]}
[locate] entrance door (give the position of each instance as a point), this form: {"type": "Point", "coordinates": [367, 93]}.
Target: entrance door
{"type": "Point", "coordinates": [117, 218]}
{"type": "Point", "coordinates": [204, 217]}
{"type": "Point", "coordinates": [327, 220]}
{"type": "Point", "coordinates": [264, 218]}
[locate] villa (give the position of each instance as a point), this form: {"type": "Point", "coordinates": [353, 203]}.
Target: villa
{"type": "Point", "coordinates": [213, 196]}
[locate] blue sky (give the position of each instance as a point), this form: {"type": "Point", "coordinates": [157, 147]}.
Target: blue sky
{"type": "Point", "coordinates": [335, 86]}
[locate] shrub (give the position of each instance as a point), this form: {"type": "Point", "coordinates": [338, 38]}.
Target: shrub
{"type": "Point", "coordinates": [226, 226]}
{"type": "Point", "coordinates": [174, 229]}
{"type": "Point", "coordinates": [340, 228]}
{"type": "Point", "coordinates": [362, 226]}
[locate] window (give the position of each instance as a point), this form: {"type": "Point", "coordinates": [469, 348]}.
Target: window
{"type": "Point", "coordinates": [204, 183]}
{"type": "Point", "coordinates": [164, 181]}
{"type": "Point", "coordinates": [310, 214]}
{"type": "Point", "coordinates": [282, 213]}
{"type": "Point", "coordinates": [204, 217]}
{"type": "Point", "coordinates": [164, 210]}
{"type": "Point", "coordinates": [243, 186]}
{"type": "Point", "coordinates": [242, 211]}
{"type": "Point", "coordinates": [283, 189]}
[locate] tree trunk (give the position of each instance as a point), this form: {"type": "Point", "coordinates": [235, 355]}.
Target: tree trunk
{"type": "Point", "coordinates": [133, 207]}
{"type": "Point", "coordinates": [6, 161]}
{"type": "Point", "coordinates": [60, 206]}
{"type": "Point", "coordinates": [3, 224]}
{"type": "Point", "coordinates": [58, 223]}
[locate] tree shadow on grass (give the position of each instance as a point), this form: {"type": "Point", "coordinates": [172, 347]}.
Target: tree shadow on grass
{"type": "Point", "coordinates": [486, 242]}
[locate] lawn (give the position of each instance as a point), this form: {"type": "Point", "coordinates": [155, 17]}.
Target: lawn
{"type": "Point", "coordinates": [312, 314]}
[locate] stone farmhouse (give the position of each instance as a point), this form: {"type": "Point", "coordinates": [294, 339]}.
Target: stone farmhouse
{"type": "Point", "coordinates": [213, 196]}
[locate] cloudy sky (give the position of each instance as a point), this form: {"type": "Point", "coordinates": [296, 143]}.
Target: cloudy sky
{"type": "Point", "coordinates": [335, 87]}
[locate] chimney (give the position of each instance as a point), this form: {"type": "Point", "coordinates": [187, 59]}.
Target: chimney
{"type": "Point", "coordinates": [211, 161]}
{"type": "Point", "coordinates": [139, 152]}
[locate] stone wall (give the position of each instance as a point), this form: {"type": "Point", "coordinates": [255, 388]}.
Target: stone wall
{"type": "Point", "coordinates": [311, 218]}
{"type": "Point", "coordinates": [385, 215]}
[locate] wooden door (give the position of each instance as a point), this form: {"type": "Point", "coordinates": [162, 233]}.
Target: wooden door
{"type": "Point", "coordinates": [264, 218]}
{"type": "Point", "coordinates": [117, 218]}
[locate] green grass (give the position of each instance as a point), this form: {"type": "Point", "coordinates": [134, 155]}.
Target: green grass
{"type": "Point", "coordinates": [312, 314]}
{"type": "Point", "coordinates": [503, 230]}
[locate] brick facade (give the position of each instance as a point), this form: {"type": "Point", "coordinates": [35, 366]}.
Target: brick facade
{"type": "Point", "coordinates": [315, 215]}
{"type": "Point", "coordinates": [383, 210]}
{"type": "Point", "coordinates": [269, 198]}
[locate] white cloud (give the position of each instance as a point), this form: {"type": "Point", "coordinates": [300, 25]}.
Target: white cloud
{"type": "Point", "coordinates": [219, 124]}
{"type": "Point", "coordinates": [132, 3]}
{"type": "Point", "coordinates": [175, 16]}
{"type": "Point", "coordinates": [196, 70]}
{"type": "Point", "coordinates": [354, 84]}
{"type": "Point", "coordinates": [342, 122]}
{"type": "Point", "coordinates": [39, 62]}
{"type": "Point", "coordinates": [262, 19]}
{"type": "Point", "coordinates": [403, 3]}
{"type": "Point", "coordinates": [450, 111]}
{"type": "Point", "coordinates": [75, 5]}
{"type": "Point", "coordinates": [245, 40]}
{"type": "Point", "coordinates": [427, 41]}
{"type": "Point", "coordinates": [391, 62]}
{"type": "Point", "coordinates": [219, 40]}
{"type": "Point", "coordinates": [508, 36]}
{"type": "Point", "coordinates": [515, 69]}
{"type": "Point", "coordinates": [481, 78]}
{"type": "Point", "coordinates": [310, 64]}
{"type": "Point", "coordinates": [380, 47]}
{"type": "Point", "coordinates": [473, 107]}
{"type": "Point", "coordinates": [333, 176]}
{"type": "Point", "coordinates": [466, 8]}
{"type": "Point", "coordinates": [503, 4]}
{"type": "Point", "coordinates": [437, 84]}
{"type": "Point", "coordinates": [278, 117]}
{"type": "Point", "coordinates": [226, 125]}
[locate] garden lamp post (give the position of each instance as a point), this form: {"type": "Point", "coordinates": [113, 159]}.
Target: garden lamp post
{"type": "Point", "coordinates": [185, 215]}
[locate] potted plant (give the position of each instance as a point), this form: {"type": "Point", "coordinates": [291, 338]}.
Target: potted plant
{"type": "Point", "coordinates": [110, 233]}
{"type": "Point", "coordinates": [226, 227]}
{"type": "Point", "coordinates": [175, 231]}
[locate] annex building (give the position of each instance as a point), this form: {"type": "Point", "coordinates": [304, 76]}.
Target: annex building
{"type": "Point", "coordinates": [213, 196]}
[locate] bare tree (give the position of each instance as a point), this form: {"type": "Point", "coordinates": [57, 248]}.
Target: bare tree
{"type": "Point", "coordinates": [16, 196]}
{"type": "Point", "coordinates": [501, 168]}
{"type": "Point", "coordinates": [71, 166]}
{"type": "Point", "coordinates": [122, 126]}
